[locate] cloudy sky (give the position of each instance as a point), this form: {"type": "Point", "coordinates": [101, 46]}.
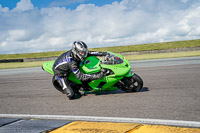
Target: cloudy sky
{"type": "Point", "coordinates": [46, 25]}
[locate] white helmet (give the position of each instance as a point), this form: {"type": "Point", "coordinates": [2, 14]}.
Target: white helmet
{"type": "Point", "coordinates": [80, 49]}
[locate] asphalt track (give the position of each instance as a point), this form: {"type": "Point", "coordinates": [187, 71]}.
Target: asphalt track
{"type": "Point", "coordinates": [171, 92]}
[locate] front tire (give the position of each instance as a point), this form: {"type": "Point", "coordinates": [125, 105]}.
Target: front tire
{"type": "Point", "coordinates": [137, 83]}
{"type": "Point", "coordinates": [132, 84]}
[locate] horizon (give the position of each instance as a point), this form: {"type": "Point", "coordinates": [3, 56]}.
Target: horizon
{"type": "Point", "coordinates": [103, 47]}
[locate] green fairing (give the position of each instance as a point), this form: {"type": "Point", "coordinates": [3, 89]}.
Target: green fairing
{"type": "Point", "coordinates": [47, 66]}
{"type": "Point", "coordinates": [93, 64]}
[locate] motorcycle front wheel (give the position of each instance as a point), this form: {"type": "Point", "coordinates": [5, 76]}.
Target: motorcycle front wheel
{"type": "Point", "coordinates": [132, 84]}
{"type": "Point", "coordinates": [137, 83]}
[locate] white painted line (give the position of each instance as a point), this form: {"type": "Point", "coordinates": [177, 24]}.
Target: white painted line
{"type": "Point", "coordinates": [106, 119]}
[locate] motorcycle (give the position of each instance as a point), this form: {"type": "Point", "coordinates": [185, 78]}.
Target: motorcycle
{"type": "Point", "coordinates": [117, 70]}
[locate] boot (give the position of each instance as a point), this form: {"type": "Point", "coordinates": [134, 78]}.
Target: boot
{"type": "Point", "coordinates": [69, 92]}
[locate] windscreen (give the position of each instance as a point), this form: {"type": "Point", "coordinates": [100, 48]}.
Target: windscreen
{"type": "Point", "coordinates": [111, 59]}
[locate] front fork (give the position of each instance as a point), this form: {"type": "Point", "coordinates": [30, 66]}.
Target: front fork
{"type": "Point", "coordinates": [129, 74]}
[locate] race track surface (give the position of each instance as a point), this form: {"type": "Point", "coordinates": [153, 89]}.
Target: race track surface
{"type": "Point", "coordinates": [171, 91]}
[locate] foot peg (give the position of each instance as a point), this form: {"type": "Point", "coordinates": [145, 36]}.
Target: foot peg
{"type": "Point", "coordinates": [82, 91]}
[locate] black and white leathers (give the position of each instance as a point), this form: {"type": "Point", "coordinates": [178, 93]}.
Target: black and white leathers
{"type": "Point", "coordinates": [66, 63]}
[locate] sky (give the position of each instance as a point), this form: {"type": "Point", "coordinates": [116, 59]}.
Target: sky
{"type": "Point", "coordinates": [49, 25]}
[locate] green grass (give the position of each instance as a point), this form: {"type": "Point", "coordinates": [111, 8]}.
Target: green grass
{"type": "Point", "coordinates": [152, 46]}
{"type": "Point", "coordinates": [163, 55]}
{"type": "Point", "coordinates": [130, 57]}
{"type": "Point", "coordinates": [21, 64]}
{"type": "Point", "coordinates": [142, 47]}
{"type": "Point", "coordinates": [30, 55]}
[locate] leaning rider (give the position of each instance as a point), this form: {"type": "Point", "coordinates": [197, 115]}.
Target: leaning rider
{"type": "Point", "coordinates": [69, 62]}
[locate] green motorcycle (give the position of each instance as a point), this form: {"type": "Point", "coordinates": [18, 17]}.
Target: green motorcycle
{"type": "Point", "coordinates": [118, 74]}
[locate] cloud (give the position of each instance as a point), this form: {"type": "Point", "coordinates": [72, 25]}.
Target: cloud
{"type": "Point", "coordinates": [29, 29]}
{"type": "Point", "coordinates": [24, 5]}
{"type": "Point", "coordinates": [5, 9]}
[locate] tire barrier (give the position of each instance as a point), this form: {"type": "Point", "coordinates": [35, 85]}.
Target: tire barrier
{"type": "Point", "coordinates": [11, 60]}
{"type": "Point", "coordinates": [27, 60]}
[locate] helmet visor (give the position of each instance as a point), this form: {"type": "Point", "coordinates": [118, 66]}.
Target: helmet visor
{"type": "Point", "coordinates": [83, 54]}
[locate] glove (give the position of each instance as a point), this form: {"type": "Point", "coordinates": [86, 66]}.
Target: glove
{"type": "Point", "coordinates": [97, 76]}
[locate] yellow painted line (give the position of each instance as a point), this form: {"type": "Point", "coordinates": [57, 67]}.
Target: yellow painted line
{"type": "Point", "coordinates": [96, 127]}
{"type": "Point", "coordinates": [163, 129]}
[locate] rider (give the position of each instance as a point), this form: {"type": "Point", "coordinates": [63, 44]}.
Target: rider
{"type": "Point", "coordinates": [69, 62]}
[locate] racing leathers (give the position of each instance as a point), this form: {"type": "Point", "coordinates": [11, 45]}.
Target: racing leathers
{"type": "Point", "coordinates": [66, 63]}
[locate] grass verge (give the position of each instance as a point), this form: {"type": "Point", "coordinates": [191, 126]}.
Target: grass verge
{"type": "Point", "coordinates": [152, 46]}
{"type": "Point", "coordinates": [21, 64]}
{"type": "Point", "coordinates": [132, 57]}
{"type": "Point", "coordinates": [163, 55]}
{"type": "Point", "coordinates": [127, 48]}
